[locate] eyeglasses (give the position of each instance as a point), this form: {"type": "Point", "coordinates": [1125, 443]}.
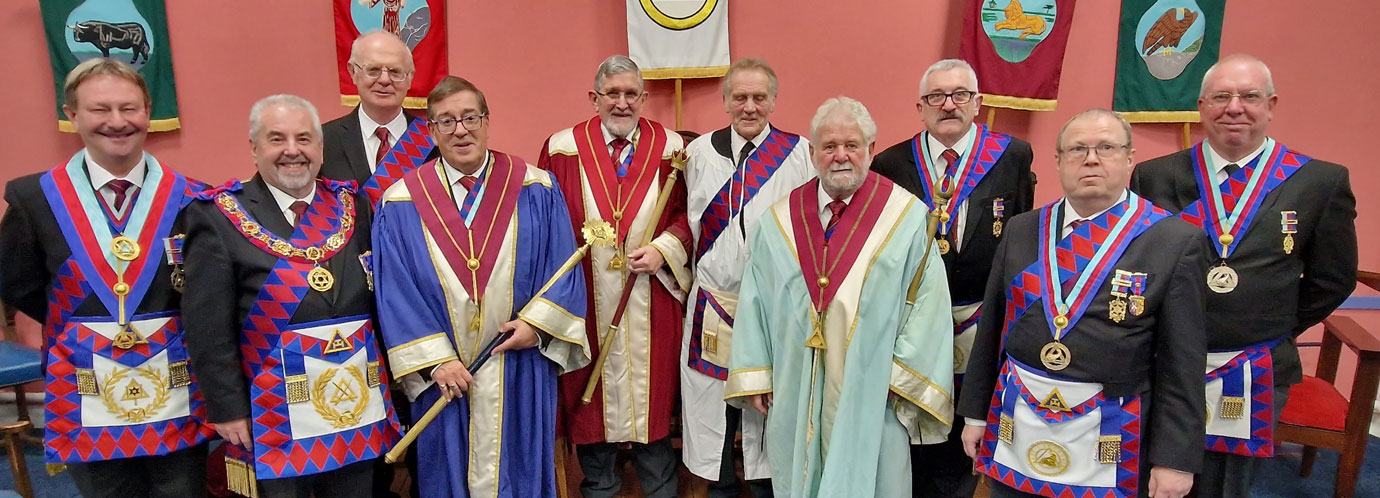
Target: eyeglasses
{"type": "Point", "coordinates": [1253, 97]}
{"type": "Point", "coordinates": [373, 72]}
{"type": "Point", "coordinates": [960, 97]}
{"type": "Point", "coordinates": [1104, 151]}
{"type": "Point", "coordinates": [628, 96]}
{"type": "Point", "coordinates": [447, 124]}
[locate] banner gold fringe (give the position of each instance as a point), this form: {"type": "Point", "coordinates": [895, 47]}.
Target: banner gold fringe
{"type": "Point", "coordinates": [684, 72]}
{"type": "Point", "coordinates": [1021, 103]}
{"type": "Point", "coordinates": [1161, 116]}
{"type": "Point", "coordinates": [408, 102]}
{"type": "Point", "coordinates": [154, 125]}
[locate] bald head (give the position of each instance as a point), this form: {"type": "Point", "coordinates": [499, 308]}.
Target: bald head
{"type": "Point", "coordinates": [381, 68]}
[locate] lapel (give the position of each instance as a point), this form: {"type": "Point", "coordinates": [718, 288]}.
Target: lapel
{"type": "Point", "coordinates": [1185, 182]}
{"type": "Point", "coordinates": [722, 140]}
{"type": "Point", "coordinates": [263, 208]}
{"type": "Point", "coordinates": [975, 210]}
{"type": "Point", "coordinates": [354, 149]}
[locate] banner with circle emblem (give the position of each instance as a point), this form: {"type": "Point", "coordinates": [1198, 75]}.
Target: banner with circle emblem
{"type": "Point", "coordinates": [679, 38]}
{"type": "Point", "coordinates": [1017, 49]}
{"type": "Point", "coordinates": [1162, 52]}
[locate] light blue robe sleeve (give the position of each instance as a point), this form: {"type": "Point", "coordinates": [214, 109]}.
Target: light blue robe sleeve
{"type": "Point", "coordinates": [750, 360]}
{"type": "Point", "coordinates": [922, 366]}
{"type": "Point", "coordinates": [411, 305]}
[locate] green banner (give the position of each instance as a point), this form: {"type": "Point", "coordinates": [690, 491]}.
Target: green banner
{"type": "Point", "coordinates": [132, 31]}
{"type": "Point", "coordinates": [1162, 51]}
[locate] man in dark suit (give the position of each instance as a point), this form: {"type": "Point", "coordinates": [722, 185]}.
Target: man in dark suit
{"type": "Point", "coordinates": [988, 180]}
{"type": "Point", "coordinates": [1304, 266]}
{"type": "Point", "coordinates": [278, 281]}
{"type": "Point", "coordinates": [376, 132]}
{"type": "Point", "coordinates": [84, 256]}
{"type": "Point", "coordinates": [1086, 369]}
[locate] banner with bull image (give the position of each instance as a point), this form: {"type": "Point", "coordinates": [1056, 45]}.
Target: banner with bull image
{"type": "Point", "coordinates": [132, 31]}
{"type": "Point", "coordinates": [1162, 52]}
{"type": "Point", "coordinates": [420, 23]}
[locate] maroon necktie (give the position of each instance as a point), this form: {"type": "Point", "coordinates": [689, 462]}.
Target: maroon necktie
{"type": "Point", "coordinates": [619, 144]}
{"type": "Point", "coordinates": [836, 210]}
{"type": "Point", "coordinates": [121, 189]}
{"type": "Point", "coordinates": [382, 133]}
{"type": "Point", "coordinates": [298, 208]}
{"type": "Point", "coordinates": [950, 169]}
{"type": "Point", "coordinates": [468, 182]}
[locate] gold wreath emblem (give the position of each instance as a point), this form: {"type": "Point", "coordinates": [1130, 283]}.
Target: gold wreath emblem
{"type": "Point", "coordinates": [324, 406]}
{"type": "Point", "coordinates": [162, 392]}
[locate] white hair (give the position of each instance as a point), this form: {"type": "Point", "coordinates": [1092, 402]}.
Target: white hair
{"type": "Point", "coordinates": [283, 100]}
{"type": "Point", "coordinates": [615, 64]}
{"type": "Point", "coordinates": [359, 42]}
{"type": "Point", "coordinates": [946, 65]}
{"type": "Point", "coordinates": [1269, 80]}
{"type": "Point", "coordinates": [830, 111]}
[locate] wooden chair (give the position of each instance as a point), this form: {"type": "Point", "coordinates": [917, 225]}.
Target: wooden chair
{"type": "Point", "coordinates": [19, 365]}
{"type": "Point", "coordinates": [1318, 416]}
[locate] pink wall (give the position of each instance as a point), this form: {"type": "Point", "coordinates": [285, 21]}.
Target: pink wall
{"type": "Point", "coordinates": [535, 60]}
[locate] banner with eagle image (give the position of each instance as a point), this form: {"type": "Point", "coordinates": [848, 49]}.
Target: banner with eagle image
{"type": "Point", "coordinates": [421, 24]}
{"type": "Point", "coordinates": [1163, 49]}
{"type": "Point", "coordinates": [1017, 49]}
{"type": "Point", "coordinates": [132, 31]}
{"type": "Point", "coordinates": [678, 38]}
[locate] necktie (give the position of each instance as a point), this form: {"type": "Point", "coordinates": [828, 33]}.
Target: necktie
{"type": "Point", "coordinates": [951, 158]}
{"type": "Point", "coordinates": [121, 188]}
{"type": "Point", "coordinates": [1231, 169]}
{"type": "Point", "coordinates": [836, 213]}
{"type": "Point", "coordinates": [468, 182]}
{"type": "Point", "coordinates": [742, 159]}
{"type": "Point", "coordinates": [619, 144]}
{"type": "Point", "coordinates": [298, 209]}
{"type": "Point", "coordinates": [382, 133]}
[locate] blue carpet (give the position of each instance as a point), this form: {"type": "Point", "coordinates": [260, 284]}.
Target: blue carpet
{"type": "Point", "coordinates": [59, 486]}
{"type": "Point", "coordinates": [1279, 477]}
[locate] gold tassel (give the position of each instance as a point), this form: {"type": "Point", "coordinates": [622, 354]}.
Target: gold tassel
{"type": "Point", "coordinates": [1006, 429]}
{"type": "Point", "coordinates": [1109, 449]}
{"type": "Point", "coordinates": [239, 478]}
{"type": "Point", "coordinates": [1232, 407]}
{"type": "Point", "coordinates": [55, 468]}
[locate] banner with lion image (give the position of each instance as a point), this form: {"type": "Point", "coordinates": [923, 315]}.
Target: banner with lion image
{"type": "Point", "coordinates": [421, 24]}
{"type": "Point", "coordinates": [1017, 49]}
{"type": "Point", "coordinates": [133, 31]}
{"type": "Point", "coordinates": [1163, 50]}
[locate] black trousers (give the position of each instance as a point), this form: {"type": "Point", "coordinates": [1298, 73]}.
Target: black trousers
{"type": "Point", "coordinates": [943, 470]}
{"type": "Point", "coordinates": [351, 481]}
{"type": "Point", "coordinates": [179, 474]}
{"type": "Point", "coordinates": [728, 486]}
{"type": "Point", "coordinates": [656, 469]}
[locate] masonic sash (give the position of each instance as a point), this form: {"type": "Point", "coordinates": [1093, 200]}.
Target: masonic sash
{"type": "Point", "coordinates": [985, 148]}
{"type": "Point", "coordinates": [740, 188]}
{"type": "Point", "coordinates": [600, 171]}
{"type": "Point", "coordinates": [409, 152]}
{"type": "Point", "coordinates": [119, 385]}
{"type": "Point", "coordinates": [711, 331]}
{"type": "Point", "coordinates": [1240, 401]}
{"type": "Point", "coordinates": [1230, 209]}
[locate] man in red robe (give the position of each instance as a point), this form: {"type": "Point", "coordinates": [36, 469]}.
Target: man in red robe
{"type": "Point", "coordinates": [614, 167]}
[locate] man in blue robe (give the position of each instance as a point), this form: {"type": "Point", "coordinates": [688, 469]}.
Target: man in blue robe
{"type": "Point", "coordinates": [463, 246]}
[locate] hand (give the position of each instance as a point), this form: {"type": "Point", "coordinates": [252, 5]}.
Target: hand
{"type": "Point", "coordinates": [524, 336]}
{"type": "Point", "coordinates": [762, 402]}
{"type": "Point", "coordinates": [453, 378]}
{"type": "Point", "coordinates": [1169, 483]}
{"type": "Point", "coordinates": [236, 432]}
{"type": "Point", "coordinates": [646, 259]}
{"type": "Point", "coordinates": [972, 437]}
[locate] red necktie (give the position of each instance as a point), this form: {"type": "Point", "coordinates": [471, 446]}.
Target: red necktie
{"type": "Point", "coordinates": [121, 188]}
{"type": "Point", "coordinates": [468, 182]}
{"type": "Point", "coordinates": [382, 133]}
{"type": "Point", "coordinates": [298, 209]}
{"type": "Point", "coordinates": [951, 158]}
{"type": "Point", "coordinates": [618, 145]}
{"type": "Point", "coordinates": [836, 210]}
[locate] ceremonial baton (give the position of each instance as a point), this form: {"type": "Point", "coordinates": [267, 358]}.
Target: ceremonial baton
{"type": "Point", "coordinates": [940, 202]}
{"type": "Point", "coordinates": [598, 233]}
{"type": "Point", "coordinates": [678, 160]}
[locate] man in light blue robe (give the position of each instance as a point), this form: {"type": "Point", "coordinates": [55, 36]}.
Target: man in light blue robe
{"type": "Point", "coordinates": [462, 248]}
{"type": "Point", "coordinates": [839, 339]}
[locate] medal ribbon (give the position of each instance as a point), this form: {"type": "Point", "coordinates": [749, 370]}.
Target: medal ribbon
{"type": "Point", "coordinates": [1211, 192]}
{"type": "Point", "coordinates": [78, 210]}
{"type": "Point", "coordinates": [1125, 218]}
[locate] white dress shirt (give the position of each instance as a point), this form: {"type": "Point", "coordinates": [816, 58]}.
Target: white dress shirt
{"type": "Point", "coordinates": [1220, 163]}
{"type": "Point", "coordinates": [627, 150]}
{"type": "Point", "coordinates": [824, 200]}
{"type": "Point", "coordinates": [285, 201]}
{"type": "Point", "coordinates": [937, 166]}
{"type": "Point", "coordinates": [458, 190]}
{"type": "Point", "coordinates": [101, 178]}
{"type": "Point", "coordinates": [367, 126]}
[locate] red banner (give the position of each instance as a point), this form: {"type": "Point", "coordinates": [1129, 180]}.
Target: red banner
{"type": "Point", "coordinates": [1017, 50]}
{"type": "Point", "coordinates": [421, 24]}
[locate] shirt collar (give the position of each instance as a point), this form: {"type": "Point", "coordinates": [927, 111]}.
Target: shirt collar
{"type": "Point", "coordinates": [1071, 216]}
{"type": "Point", "coordinates": [100, 176]}
{"type": "Point", "coordinates": [396, 127]}
{"type": "Point", "coordinates": [453, 174]}
{"type": "Point", "coordinates": [285, 199]}
{"type": "Point", "coordinates": [961, 147]}
{"type": "Point", "coordinates": [1220, 163]}
{"type": "Point", "coordinates": [736, 141]}
{"type": "Point", "coordinates": [824, 199]}
{"type": "Point", "coordinates": [609, 136]}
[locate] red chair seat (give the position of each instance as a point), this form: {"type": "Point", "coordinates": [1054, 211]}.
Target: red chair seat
{"type": "Point", "coordinates": [1315, 403]}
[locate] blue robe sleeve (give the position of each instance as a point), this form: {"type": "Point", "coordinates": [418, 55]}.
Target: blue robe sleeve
{"type": "Point", "coordinates": [547, 242]}
{"type": "Point", "coordinates": [411, 305]}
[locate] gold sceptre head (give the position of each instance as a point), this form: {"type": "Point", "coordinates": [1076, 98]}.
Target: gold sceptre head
{"type": "Point", "coordinates": [679, 159]}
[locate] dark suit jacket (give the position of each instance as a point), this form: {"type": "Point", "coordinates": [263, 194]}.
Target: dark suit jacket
{"type": "Point", "coordinates": [1010, 179]}
{"type": "Point", "coordinates": [224, 273]}
{"type": "Point", "coordinates": [344, 157]}
{"type": "Point", "coordinates": [34, 249]}
{"type": "Point", "coordinates": [1272, 299]}
{"type": "Point", "coordinates": [1160, 353]}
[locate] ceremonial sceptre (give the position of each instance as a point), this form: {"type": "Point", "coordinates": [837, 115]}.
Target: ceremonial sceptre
{"type": "Point", "coordinates": [678, 160]}
{"type": "Point", "coordinates": [596, 233]}
{"type": "Point", "coordinates": [941, 201]}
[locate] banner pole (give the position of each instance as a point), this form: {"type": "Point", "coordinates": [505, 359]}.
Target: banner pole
{"type": "Point", "coordinates": [991, 116]}
{"type": "Point", "coordinates": [678, 104]}
{"type": "Point", "coordinates": [1188, 136]}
